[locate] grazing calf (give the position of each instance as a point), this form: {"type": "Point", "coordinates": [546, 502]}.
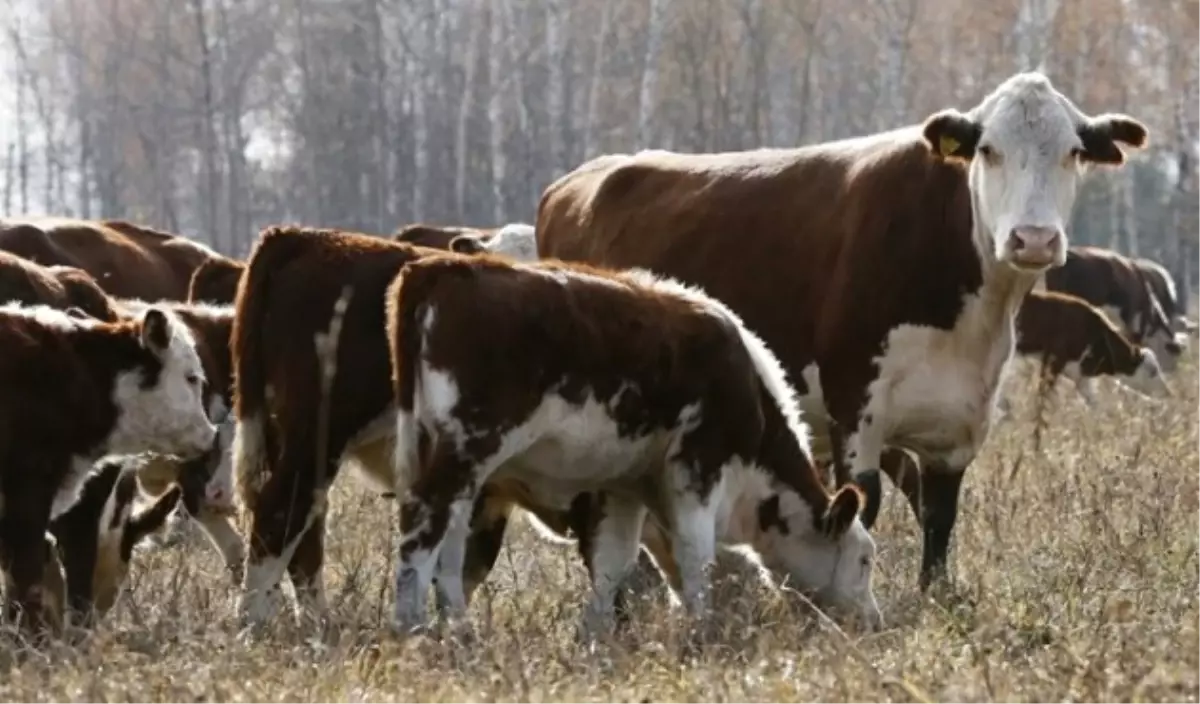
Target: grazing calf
{"type": "Point", "coordinates": [216, 281]}
{"type": "Point", "coordinates": [61, 287]}
{"type": "Point", "coordinates": [1072, 338]}
{"type": "Point", "coordinates": [641, 389]}
{"type": "Point", "coordinates": [515, 240]}
{"type": "Point", "coordinates": [76, 389]}
{"type": "Point", "coordinates": [1125, 291]}
{"type": "Point", "coordinates": [293, 282]}
{"type": "Point", "coordinates": [207, 480]}
{"type": "Point", "coordinates": [95, 537]}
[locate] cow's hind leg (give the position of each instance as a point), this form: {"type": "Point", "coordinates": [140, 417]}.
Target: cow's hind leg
{"type": "Point", "coordinates": [489, 522]}
{"type": "Point", "coordinates": [304, 570]}
{"type": "Point", "coordinates": [281, 513]}
{"type": "Point", "coordinates": [612, 551]}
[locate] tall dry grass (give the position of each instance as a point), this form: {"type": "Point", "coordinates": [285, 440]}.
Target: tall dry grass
{"type": "Point", "coordinates": [1076, 573]}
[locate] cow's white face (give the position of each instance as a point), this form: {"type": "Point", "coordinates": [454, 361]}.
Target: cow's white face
{"type": "Point", "coordinates": [833, 562]}
{"type": "Point", "coordinates": [1026, 144]}
{"type": "Point", "coordinates": [160, 401]}
{"type": "Point", "coordinates": [1148, 377]}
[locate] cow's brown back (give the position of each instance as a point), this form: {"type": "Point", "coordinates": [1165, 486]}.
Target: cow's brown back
{"type": "Point", "coordinates": [127, 260]}
{"type": "Point", "coordinates": [821, 250]}
{"type": "Point", "coordinates": [437, 236]}
{"type": "Point", "coordinates": [59, 287]}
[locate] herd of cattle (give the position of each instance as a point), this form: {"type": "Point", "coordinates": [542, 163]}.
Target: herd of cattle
{"type": "Point", "coordinates": [686, 351]}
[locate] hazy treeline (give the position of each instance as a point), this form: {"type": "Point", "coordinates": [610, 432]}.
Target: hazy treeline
{"type": "Point", "coordinates": [216, 117]}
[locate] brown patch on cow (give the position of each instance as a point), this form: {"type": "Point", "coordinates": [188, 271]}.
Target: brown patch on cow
{"type": "Point", "coordinates": [126, 259]}
{"type": "Point", "coordinates": [60, 287]}
{"type": "Point", "coordinates": [216, 281]}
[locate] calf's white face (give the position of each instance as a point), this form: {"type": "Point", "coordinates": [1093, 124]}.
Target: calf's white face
{"type": "Point", "coordinates": [161, 405]}
{"type": "Point", "coordinates": [1148, 377]}
{"type": "Point", "coordinates": [1026, 143]}
{"type": "Point", "coordinates": [835, 563]}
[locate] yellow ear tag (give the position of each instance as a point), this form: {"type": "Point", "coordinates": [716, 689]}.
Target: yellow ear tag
{"type": "Point", "coordinates": [948, 145]}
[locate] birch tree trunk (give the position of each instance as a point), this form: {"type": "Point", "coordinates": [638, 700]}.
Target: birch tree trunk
{"type": "Point", "coordinates": [590, 141]}
{"type": "Point", "coordinates": [557, 18]}
{"type": "Point", "coordinates": [499, 80]}
{"type": "Point", "coordinates": [648, 94]}
{"type": "Point", "coordinates": [465, 110]}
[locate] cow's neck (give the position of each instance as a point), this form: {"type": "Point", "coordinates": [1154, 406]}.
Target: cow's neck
{"type": "Point", "coordinates": [756, 509]}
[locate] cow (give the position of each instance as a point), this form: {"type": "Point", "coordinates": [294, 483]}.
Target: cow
{"type": "Point", "coordinates": [216, 281]}
{"type": "Point", "coordinates": [1071, 338]}
{"type": "Point", "coordinates": [623, 383]}
{"type": "Point", "coordinates": [883, 270]}
{"type": "Point", "coordinates": [77, 389]}
{"type": "Point", "coordinates": [60, 287]}
{"type": "Point", "coordinates": [92, 541]}
{"type": "Point", "coordinates": [437, 236]}
{"type": "Point", "coordinates": [1163, 287]}
{"type": "Point", "coordinates": [207, 480]}
{"type": "Point", "coordinates": [294, 280]}
{"type": "Point", "coordinates": [125, 259]}
{"type": "Point", "coordinates": [1116, 285]}
{"type": "Point", "coordinates": [515, 240]}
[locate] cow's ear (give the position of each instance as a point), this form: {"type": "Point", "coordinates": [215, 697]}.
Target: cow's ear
{"type": "Point", "coordinates": [951, 134]}
{"type": "Point", "coordinates": [466, 244]}
{"type": "Point", "coordinates": [1101, 134]}
{"type": "Point", "coordinates": [843, 509]}
{"type": "Point", "coordinates": [149, 519]}
{"type": "Point", "coordinates": [156, 330]}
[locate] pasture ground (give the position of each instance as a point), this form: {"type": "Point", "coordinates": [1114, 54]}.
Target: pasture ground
{"type": "Point", "coordinates": [1076, 573]}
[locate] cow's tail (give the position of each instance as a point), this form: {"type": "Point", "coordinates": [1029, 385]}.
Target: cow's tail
{"type": "Point", "coordinates": [276, 246]}
{"type": "Point", "coordinates": [406, 303]}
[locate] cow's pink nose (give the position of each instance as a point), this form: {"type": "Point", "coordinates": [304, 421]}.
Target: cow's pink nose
{"type": "Point", "coordinates": [1035, 247]}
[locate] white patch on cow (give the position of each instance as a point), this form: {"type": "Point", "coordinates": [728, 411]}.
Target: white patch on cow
{"type": "Point", "coordinates": [260, 595]}
{"type": "Point", "coordinates": [218, 492]}
{"type": "Point", "coordinates": [48, 317]}
{"type": "Point", "coordinates": [68, 490]}
{"type": "Point", "coordinates": [935, 391]}
{"type": "Point", "coordinates": [169, 417]}
{"type": "Point", "coordinates": [1148, 377]}
{"type": "Point", "coordinates": [515, 240]}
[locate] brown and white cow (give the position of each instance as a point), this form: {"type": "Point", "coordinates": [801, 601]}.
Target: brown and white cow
{"type": "Point", "coordinates": [216, 281]}
{"type": "Point", "coordinates": [127, 260]}
{"type": "Point", "coordinates": [207, 480]}
{"type": "Point", "coordinates": [1071, 338]}
{"type": "Point", "coordinates": [1163, 287]}
{"type": "Point", "coordinates": [884, 271]}
{"type": "Point", "coordinates": [622, 383]}
{"type": "Point", "coordinates": [76, 389]}
{"type": "Point", "coordinates": [294, 278]}
{"type": "Point", "coordinates": [93, 540]}
{"type": "Point", "coordinates": [516, 240]}
{"type": "Point", "coordinates": [1117, 285]}
{"type": "Point", "coordinates": [61, 287]}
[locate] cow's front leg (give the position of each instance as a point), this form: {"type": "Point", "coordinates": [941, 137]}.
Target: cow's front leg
{"type": "Point", "coordinates": [612, 552]}
{"type": "Point", "coordinates": [932, 492]}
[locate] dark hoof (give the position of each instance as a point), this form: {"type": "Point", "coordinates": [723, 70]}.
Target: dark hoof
{"type": "Point", "coordinates": [872, 487]}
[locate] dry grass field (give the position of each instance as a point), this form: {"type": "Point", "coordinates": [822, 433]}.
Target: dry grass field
{"type": "Point", "coordinates": [1076, 579]}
